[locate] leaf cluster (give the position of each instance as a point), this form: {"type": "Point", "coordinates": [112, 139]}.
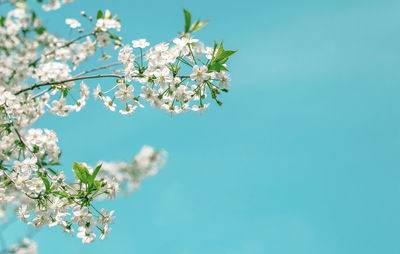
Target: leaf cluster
{"type": "Point", "coordinates": [197, 25]}
{"type": "Point", "coordinates": [220, 57]}
{"type": "Point", "coordinates": [82, 173]}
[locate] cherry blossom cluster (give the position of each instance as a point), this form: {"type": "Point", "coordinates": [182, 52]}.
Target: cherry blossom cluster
{"type": "Point", "coordinates": [25, 246]}
{"type": "Point", "coordinates": [129, 175]}
{"type": "Point", "coordinates": [159, 69]}
{"type": "Point", "coordinates": [41, 72]}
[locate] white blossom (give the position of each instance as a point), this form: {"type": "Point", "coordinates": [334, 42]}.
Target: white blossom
{"type": "Point", "coordinates": [73, 23]}
{"type": "Point", "coordinates": [141, 43]}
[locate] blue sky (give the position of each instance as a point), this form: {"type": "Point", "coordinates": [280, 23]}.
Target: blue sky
{"type": "Point", "coordinates": [301, 158]}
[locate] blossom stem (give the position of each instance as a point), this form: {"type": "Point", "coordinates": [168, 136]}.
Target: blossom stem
{"type": "Point", "coordinates": [191, 52]}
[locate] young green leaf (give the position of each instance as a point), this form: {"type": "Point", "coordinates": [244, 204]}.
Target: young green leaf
{"type": "Point", "coordinates": [33, 17]}
{"type": "Point", "coordinates": [217, 66]}
{"type": "Point", "coordinates": [226, 54]}
{"type": "Point", "coordinates": [81, 172]}
{"type": "Point", "coordinates": [40, 30]}
{"type": "Point", "coordinates": [220, 50]}
{"type": "Point", "coordinates": [63, 193]}
{"type": "Point", "coordinates": [96, 171]}
{"type": "Point", "coordinates": [199, 25]}
{"type": "Point", "coordinates": [46, 183]}
{"type": "Point", "coordinates": [100, 14]}
{"type": "Point", "coordinates": [65, 93]}
{"type": "Point", "coordinates": [188, 20]}
{"type": "Point", "coordinates": [220, 58]}
{"type": "Point", "coordinates": [96, 185]}
{"type": "Point", "coordinates": [35, 149]}
{"type": "Point", "coordinates": [113, 36]}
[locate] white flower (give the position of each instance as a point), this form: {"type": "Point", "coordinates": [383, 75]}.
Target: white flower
{"type": "Point", "coordinates": [52, 5]}
{"type": "Point", "coordinates": [73, 23]}
{"type": "Point", "coordinates": [172, 109]}
{"type": "Point", "coordinates": [97, 93]}
{"type": "Point", "coordinates": [84, 90]}
{"type": "Point", "coordinates": [125, 55]}
{"type": "Point", "coordinates": [199, 74]}
{"type": "Point", "coordinates": [23, 213]}
{"type": "Point", "coordinates": [200, 108]}
{"type": "Point", "coordinates": [80, 104]}
{"type": "Point", "coordinates": [52, 71]}
{"type": "Point", "coordinates": [129, 109]}
{"type": "Point", "coordinates": [182, 42]}
{"type": "Point", "coordinates": [105, 230]}
{"type": "Point", "coordinates": [60, 108]}
{"type": "Point", "coordinates": [107, 14]}
{"type": "Point", "coordinates": [67, 227]}
{"type": "Point", "coordinates": [108, 102]}
{"type": "Point", "coordinates": [86, 234]}
{"type": "Point", "coordinates": [106, 218]}
{"type": "Point", "coordinates": [108, 22]}
{"type": "Point", "coordinates": [223, 78]}
{"type": "Point", "coordinates": [124, 93]}
{"type": "Point", "coordinates": [29, 164]}
{"type": "Point", "coordinates": [81, 215]}
{"type": "Point", "coordinates": [103, 39]}
{"type": "Point", "coordinates": [36, 185]}
{"type": "Point", "coordinates": [141, 43]}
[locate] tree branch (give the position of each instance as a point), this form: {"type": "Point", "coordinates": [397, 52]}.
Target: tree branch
{"type": "Point", "coordinates": [98, 68]}
{"type": "Point", "coordinates": [62, 46]}
{"type": "Point", "coordinates": [48, 83]}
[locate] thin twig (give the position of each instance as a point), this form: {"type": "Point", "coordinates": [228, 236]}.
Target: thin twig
{"type": "Point", "coordinates": [98, 68]}
{"type": "Point", "coordinates": [48, 83]}
{"type": "Point", "coordinates": [41, 93]}
{"type": "Point", "coordinates": [62, 46]}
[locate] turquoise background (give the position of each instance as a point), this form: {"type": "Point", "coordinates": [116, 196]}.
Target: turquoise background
{"type": "Point", "coordinates": [301, 158]}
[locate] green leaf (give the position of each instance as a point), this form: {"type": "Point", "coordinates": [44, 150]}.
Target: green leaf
{"type": "Point", "coordinates": [7, 183]}
{"type": "Point", "coordinates": [188, 20]}
{"type": "Point", "coordinates": [2, 20]}
{"type": "Point", "coordinates": [61, 193]}
{"type": "Point", "coordinates": [96, 185]}
{"type": "Point", "coordinates": [96, 171]}
{"type": "Point", "coordinates": [195, 25]}
{"type": "Point", "coordinates": [81, 172]}
{"type": "Point", "coordinates": [226, 54]}
{"type": "Point", "coordinates": [217, 66]}
{"type": "Point", "coordinates": [113, 36]}
{"type": "Point", "coordinates": [46, 183]}
{"type": "Point", "coordinates": [40, 30]}
{"type": "Point", "coordinates": [65, 92]}
{"type": "Point", "coordinates": [35, 149]}
{"type": "Point", "coordinates": [100, 14]}
{"type": "Point", "coordinates": [199, 25]}
{"type": "Point", "coordinates": [220, 50]}
{"type": "Point", "coordinates": [215, 48]}
{"type": "Point", "coordinates": [33, 17]}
